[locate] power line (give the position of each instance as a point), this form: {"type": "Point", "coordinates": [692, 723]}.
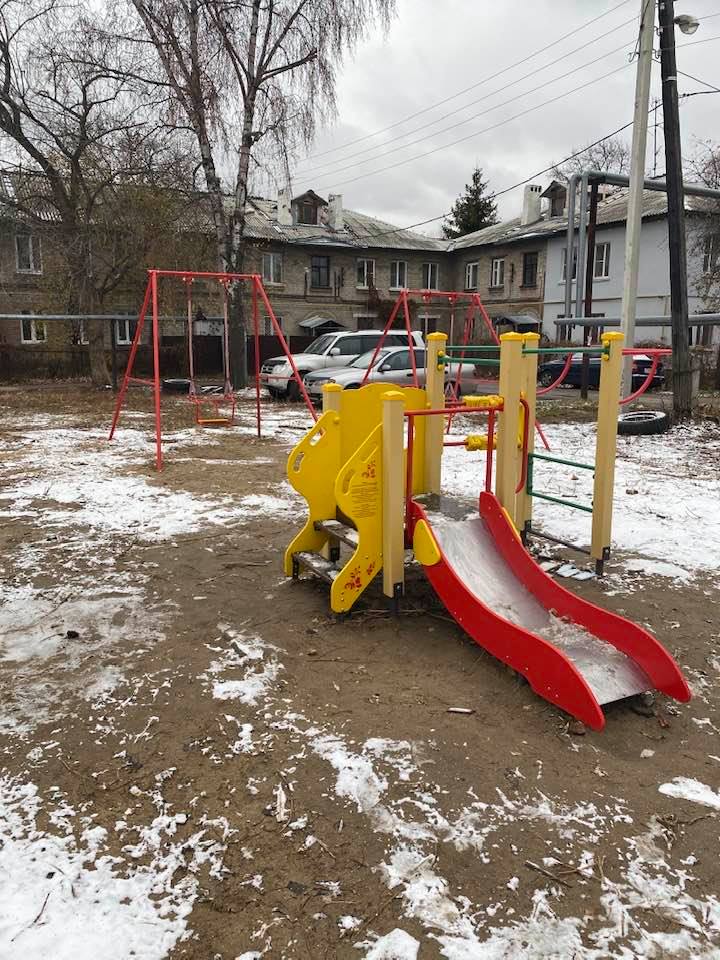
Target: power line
{"type": "Point", "coordinates": [333, 169]}
{"type": "Point", "coordinates": [454, 96]}
{"type": "Point", "coordinates": [713, 89]}
{"type": "Point", "coordinates": [475, 133]}
{"type": "Point", "coordinates": [492, 196]}
{"type": "Point", "coordinates": [381, 146]}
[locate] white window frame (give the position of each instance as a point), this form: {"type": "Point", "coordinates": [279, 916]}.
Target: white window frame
{"type": "Point", "coordinates": [395, 271]}
{"type": "Point", "coordinates": [497, 272]}
{"type": "Point", "coordinates": [431, 273]}
{"type": "Point", "coordinates": [35, 327]}
{"type": "Point", "coordinates": [268, 330]}
{"type": "Point", "coordinates": [366, 268]}
{"type": "Point", "coordinates": [711, 252]}
{"type": "Point", "coordinates": [472, 270]}
{"type": "Point", "coordinates": [563, 269]}
{"type": "Point", "coordinates": [603, 262]}
{"type": "Point", "coordinates": [424, 320]}
{"type": "Point", "coordinates": [272, 269]}
{"type": "Point", "coordinates": [34, 251]}
{"type": "Point", "coordinates": [127, 339]}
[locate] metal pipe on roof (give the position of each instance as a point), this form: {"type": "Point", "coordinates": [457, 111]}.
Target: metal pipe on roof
{"type": "Point", "coordinates": [569, 242]}
{"type": "Point", "coordinates": [659, 186]}
{"type": "Point", "coordinates": [694, 320]}
{"type": "Point", "coordinates": [582, 236]}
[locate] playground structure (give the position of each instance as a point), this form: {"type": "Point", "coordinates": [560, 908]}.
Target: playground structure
{"type": "Point", "coordinates": [370, 470]}
{"type": "Point", "coordinates": [197, 396]}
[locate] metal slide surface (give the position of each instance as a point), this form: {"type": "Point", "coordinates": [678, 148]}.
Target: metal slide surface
{"type": "Point", "coordinates": [573, 653]}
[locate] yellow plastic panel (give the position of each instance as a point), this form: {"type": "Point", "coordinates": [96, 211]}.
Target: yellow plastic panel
{"type": "Point", "coordinates": [311, 469]}
{"type": "Point", "coordinates": [425, 548]}
{"type": "Point", "coordinates": [358, 493]}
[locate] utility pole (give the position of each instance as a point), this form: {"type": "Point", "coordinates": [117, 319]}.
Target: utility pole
{"type": "Point", "coordinates": [681, 374]}
{"type": "Point", "coordinates": [637, 176]}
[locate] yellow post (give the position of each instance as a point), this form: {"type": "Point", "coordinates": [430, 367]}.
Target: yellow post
{"type": "Point", "coordinates": [435, 426]}
{"type": "Point", "coordinates": [393, 505]}
{"type": "Point", "coordinates": [507, 471]}
{"type": "Point", "coordinates": [605, 447]}
{"type": "Point", "coordinates": [331, 397]}
{"type": "Point", "coordinates": [529, 389]}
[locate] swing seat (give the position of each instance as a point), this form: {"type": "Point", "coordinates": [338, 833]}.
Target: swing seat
{"type": "Point", "coordinates": [198, 399]}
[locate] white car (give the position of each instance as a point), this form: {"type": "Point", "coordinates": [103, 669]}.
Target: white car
{"type": "Point", "coordinates": [392, 366]}
{"type": "Point", "coordinates": [336, 349]}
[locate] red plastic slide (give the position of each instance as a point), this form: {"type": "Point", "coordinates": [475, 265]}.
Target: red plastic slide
{"type": "Point", "coordinates": [573, 653]}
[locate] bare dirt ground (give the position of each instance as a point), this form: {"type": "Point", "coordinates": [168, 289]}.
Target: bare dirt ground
{"type": "Point", "coordinates": [227, 771]}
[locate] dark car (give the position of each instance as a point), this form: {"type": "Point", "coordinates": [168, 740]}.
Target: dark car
{"type": "Point", "coordinates": [550, 371]}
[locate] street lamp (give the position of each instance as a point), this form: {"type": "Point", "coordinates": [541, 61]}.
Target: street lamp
{"type": "Point", "coordinates": [687, 23]}
{"type": "Point", "coordinates": [681, 371]}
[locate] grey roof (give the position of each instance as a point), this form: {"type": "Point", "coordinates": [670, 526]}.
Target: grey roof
{"type": "Point", "coordinates": [611, 210]}
{"type": "Point", "coordinates": [359, 231]}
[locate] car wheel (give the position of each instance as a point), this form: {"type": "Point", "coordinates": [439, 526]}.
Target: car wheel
{"type": "Point", "coordinates": [546, 377]}
{"type": "Point", "coordinates": [293, 388]}
{"type": "Point", "coordinates": [643, 423]}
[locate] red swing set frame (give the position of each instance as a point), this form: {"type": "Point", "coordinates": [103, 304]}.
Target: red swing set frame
{"type": "Point", "coordinates": [150, 305]}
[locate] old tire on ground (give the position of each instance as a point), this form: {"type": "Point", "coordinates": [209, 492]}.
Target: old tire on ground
{"type": "Point", "coordinates": [643, 423]}
{"type": "Point", "coordinates": [176, 385]}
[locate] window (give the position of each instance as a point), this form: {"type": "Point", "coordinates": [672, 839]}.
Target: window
{"type": "Point", "coordinates": [272, 268]}
{"type": "Point", "coordinates": [564, 264]}
{"type": "Point", "coordinates": [32, 330]}
{"type": "Point", "coordinates": [401, 360]}
{"type": "Point", "coordinates": [350, 346]}
{"type": "Point", "coordinates": [306, 212]}
{"type": "Point", "coordinates": [602, 261]}
{"type": "Point", "coordinates": [268, 329]}
{"type": "Point", "coordinates": [124, 331]}
{"type": "Point", "coordinates": [28, 255]}
{"type": "Point", "coordinates": [711, 252]}
{"type": "Point", "coordinates": [430, 276]}
{"type": "Point", "coordinates": [497, 272]}
{"type": "Point", "coordinates": [365, 274]}
{"type": "Point", "coordinates": [471, 275]}
{"type": "Point", "coordinates": [320, 271]}
{"type": "Point", "coordinates": [530, 269]}
{"type": "Point", "coordinates": [429, 324]}
{"type": "Point", "coordinates": [398, 274]}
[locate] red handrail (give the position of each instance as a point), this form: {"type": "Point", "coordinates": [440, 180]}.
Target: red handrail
{"type": "Point", "coordinates": [643, 386]}
{"type": "Point", "coordinates": [556, 383]}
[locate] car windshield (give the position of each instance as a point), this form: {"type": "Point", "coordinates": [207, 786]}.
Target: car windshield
{"type": "Point", "coordinates": [363, 361]}
{"type": "Point", "coordinates": [320, 345]}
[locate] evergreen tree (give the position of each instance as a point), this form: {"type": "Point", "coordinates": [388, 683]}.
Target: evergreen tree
{"type": "Point", "coordinates": [471, 211]}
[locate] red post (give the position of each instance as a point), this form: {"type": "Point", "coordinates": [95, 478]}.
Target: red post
{"type": "Point", "coordinates": [156, 370]}
{"type": "Point", "coordinates": [256, 328]}
{"type": "Point", "coordinates": [131, 359]}
{"type": "Point", "coordinates": [191, 349]}
{"type": "Point", "coordinates": [409, 472]}
{"type": "Point", "coordinates": [490, 444]}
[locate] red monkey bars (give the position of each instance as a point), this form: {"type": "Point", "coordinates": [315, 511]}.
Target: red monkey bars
{"type": "Point", "coordinates": [150, 302]}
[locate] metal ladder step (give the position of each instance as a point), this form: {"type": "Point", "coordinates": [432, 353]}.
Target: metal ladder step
{"type": "Point", "coordinates": [340, 531]}
{"type": "Point", "coordinates": [317, 564]}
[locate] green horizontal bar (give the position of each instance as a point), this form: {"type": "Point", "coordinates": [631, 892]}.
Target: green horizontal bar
{"type": "Point", "coordinates": [564, 503]}
{"type": "Point", "coordinates": [564, 350]}
{"type": "Point", "coordinates": [475, 363]}
{"type": "Point", "coordinates": [567, 463]}
{"type": "Point", "coordinates": [460, 346]}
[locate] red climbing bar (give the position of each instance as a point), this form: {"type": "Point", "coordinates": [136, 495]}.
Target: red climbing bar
{"type": "Point", "coordinates": [556, 383]}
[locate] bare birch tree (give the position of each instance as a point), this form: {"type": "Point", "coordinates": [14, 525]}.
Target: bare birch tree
{"type": "Point", "coordinates": [85, 162]}
{"type": "Point", "coordinates": [248, 76]}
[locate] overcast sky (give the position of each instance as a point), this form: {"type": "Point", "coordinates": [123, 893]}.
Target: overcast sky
{"type": "Point", "coordinates": [435, 48]}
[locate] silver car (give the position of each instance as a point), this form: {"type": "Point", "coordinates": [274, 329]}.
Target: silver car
{"type": "Point", "coordinates": [392, 366]}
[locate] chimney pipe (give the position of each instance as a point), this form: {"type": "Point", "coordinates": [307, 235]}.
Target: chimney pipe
{"type": "Point", "coordinates": [335, 211]}
{"type": "Point", "coordinates": [284, 210]}
{"type": "Point", "coordinates": [531, 204]}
